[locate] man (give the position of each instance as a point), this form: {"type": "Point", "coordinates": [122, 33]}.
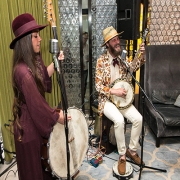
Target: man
{"type": "Point", "coordinates": [85, 61]}
{"type": "Point", "coordinates": [108, 70]}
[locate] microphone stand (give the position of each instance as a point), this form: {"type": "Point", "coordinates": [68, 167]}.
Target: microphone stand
{"type": "Point", "coordinates": [60, 79]}
{"type": "Point", "coordinates": [54, 49]}
{"type": "Point", "coordinates": [64, 104]}
{"type": "Point", "coordinates": [142, 132]}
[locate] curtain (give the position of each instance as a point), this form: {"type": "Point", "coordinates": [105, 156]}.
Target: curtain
{"type": "Point", "coordinates": [8, 11]}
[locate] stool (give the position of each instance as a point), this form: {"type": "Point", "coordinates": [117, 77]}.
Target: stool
{"type": "Point", "coordinates": [106, 125]}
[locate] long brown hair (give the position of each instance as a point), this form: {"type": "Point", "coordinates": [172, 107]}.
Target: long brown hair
{"type": "Point", "coordinates": [23, 52]}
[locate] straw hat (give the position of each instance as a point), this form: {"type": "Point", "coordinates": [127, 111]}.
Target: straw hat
{"type": "Point", "coordinates": [109, 33]}
{"type": "Point", "coordinates": [22, 25]}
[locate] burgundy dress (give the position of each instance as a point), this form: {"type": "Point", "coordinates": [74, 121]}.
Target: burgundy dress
{"type": "Point", "coordinates": [37, 120]}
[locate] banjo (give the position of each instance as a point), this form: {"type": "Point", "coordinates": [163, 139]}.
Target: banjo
{"type": "Point", "coordinates": [122, 103]}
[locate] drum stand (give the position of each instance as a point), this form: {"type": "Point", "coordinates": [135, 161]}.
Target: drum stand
{"type": "Point", "coordinates": [8, 168]}
{"type": "Point", "coordinates": [1, 151]}
{"type": "Point", "coordinates": [2, 160]}
{"type": "Point", "coordinates": [142, 132]}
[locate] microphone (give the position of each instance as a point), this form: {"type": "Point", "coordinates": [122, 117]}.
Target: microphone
{"type": "Point", "coordinates": [123, 57]}
{"type": "Point", "coordinates": [54, 49]}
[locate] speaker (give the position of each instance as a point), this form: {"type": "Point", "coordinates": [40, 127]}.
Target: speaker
{"type": "Point", "coordinates": [128, 18]}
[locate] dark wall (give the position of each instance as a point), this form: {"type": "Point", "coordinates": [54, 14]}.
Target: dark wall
{"type": "Point", "coordinates": [128, 18]}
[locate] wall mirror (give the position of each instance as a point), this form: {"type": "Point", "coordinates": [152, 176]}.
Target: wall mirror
{"type": "Point", "coordinates": [76, 17]}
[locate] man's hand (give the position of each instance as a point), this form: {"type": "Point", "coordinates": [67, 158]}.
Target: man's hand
{"type": "Point", "coordinates": [120, 92]}
{"type": "Point", "coordinates": [142, 49]}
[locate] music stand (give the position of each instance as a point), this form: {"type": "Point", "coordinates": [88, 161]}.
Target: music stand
{"type": "Point", "coordinates": [142, 132]}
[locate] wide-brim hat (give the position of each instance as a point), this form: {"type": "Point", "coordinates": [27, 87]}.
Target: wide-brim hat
{"type": "Point", "coordinates": [23, 25]}
{"type": "Point", "coordinates": [109, 33]}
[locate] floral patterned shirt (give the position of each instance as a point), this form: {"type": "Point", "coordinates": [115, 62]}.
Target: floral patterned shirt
{"type": "Point", "coordinates": [103, 75]}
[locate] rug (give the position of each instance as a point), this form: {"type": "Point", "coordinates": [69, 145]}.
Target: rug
{"type": "Point", "coordinates": [165, 158]}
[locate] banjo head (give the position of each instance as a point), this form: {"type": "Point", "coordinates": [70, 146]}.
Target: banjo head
{"type": "Point", "coordinates": [120, 102]}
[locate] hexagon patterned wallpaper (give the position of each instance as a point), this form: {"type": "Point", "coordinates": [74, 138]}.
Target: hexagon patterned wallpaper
{"type": "Point", "coordinates": [164, 22]}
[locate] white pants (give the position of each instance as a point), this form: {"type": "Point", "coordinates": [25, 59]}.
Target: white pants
{"type": "Point", "coordinates": [116, 115]}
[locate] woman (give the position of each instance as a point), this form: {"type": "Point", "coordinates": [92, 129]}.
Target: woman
{"type": "Point", "coordinates": [33, 117]}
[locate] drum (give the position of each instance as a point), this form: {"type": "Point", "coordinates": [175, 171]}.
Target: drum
{"type": "Point", "coordinates": [78, 145]}
{"type": "Point", "coordinates": [127, 175]}
{"type": "Point", "coordinates": [120, 102]}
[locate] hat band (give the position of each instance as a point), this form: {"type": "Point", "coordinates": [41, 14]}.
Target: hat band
{"type": "Point", "coordinates": [24, 27]}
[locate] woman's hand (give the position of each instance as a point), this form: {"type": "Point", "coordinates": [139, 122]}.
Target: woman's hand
{"type": "Point", "coordinates": [50, 68]}
{"type": "Point", "coordinates": [61, 117]}
{"type": "Point", "coordinates": [61, 56]}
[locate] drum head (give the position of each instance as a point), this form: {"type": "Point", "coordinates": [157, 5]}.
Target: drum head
{"type": "Point", "coordinates": [77, 140]}
{"type": "Point", "coordinates": [129, 170]}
